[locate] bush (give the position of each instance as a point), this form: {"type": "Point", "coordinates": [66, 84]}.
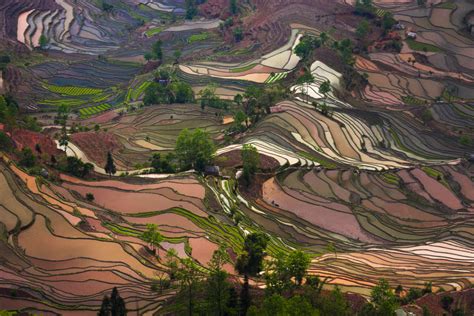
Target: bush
{"type": "Point", "coordinates": [27, 159]}
{"type": "Point", "coordinates": [5, 142]}
{"type": "Point", "coordinates": [90, 197]}
{"type": "Point", "coordinates": [446, 302]}
{"type": "Point", "coordinates": [465, 140]}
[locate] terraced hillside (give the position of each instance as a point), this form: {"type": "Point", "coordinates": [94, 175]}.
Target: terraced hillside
{"type": "Point", "coordinates": [341, 129]}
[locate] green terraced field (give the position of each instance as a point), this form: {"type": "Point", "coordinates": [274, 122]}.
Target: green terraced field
{"type": "Point", "coordinates": [88, 112]}
{"type": "Point", "coordinates": [72, 91]}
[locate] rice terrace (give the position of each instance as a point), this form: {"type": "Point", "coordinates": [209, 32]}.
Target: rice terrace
{"type": "Point", "coordinates": [237, 157]}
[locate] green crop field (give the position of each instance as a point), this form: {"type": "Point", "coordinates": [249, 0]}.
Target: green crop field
{"type": "Point", "coordinates": [72, 91]}
{"type": "Point", "coordinates": [198, 37]}
{"type": "Point", "coordinates": [88, 112]}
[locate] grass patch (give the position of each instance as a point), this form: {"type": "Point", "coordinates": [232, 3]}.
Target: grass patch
{"type": "Point", "coordinates": [435, 174]}
{"type": "Point", "coordinates": [423, 47]}
{"type": "Point", "coordinates": [323, 162]}
{"type": "Point", "coordinates": [154, 31]}
{"type": "Point", "coordinates": [198, 37]}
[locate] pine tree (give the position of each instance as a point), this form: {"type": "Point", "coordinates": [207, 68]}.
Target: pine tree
{"type": "Point", "coordinates": [105, 307]}
{"type": "Point", "coordinates": [117, 304]}
{"type": "Point", "coordinates": [110, 168]}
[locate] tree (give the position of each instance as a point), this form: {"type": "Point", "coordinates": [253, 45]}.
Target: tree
{"type": "Point", "coordinates": [156, 162]}
{"type": "Point", "coordinates": [76, 167]}
{"type": "Point", "coordinates": [194, 149]}
{"type": "Point", "coordinates": [27, 159]}
{"type": "Point", "coordinates": [43, 41]}
{"type": "Point", "coordinates": [115, 306]}
{"type": "Point", "coordinates": [465, 140]}
{"type": "Point", "coordinates": [285, 272]}
{"type": "Point", "coordinates": [177, 55]}
{"type": "Point", "coordinates": [427, 116]}
{"type": "Point", "coordinates": [239, 119]}
{"type": "Point", "coordinates": [180, 92]}
{"type": "Point", "coordinates": [238, 99]}
{"type": "Point", "coordinates": [191, 9]}
{"type": "Point", "coordinates": [446, 302]}
{"type": "Point", "coordinates": [250, 162]}
{"type": "Point", "coordinates": [217, 287]}
{"type": "Point", "coordinates": [344, 48]}
{"type": "Point", "coordinates": [250, 262]}
{"type": "Point", "coordinates": [64, 138]}
{"type": "Point", "coordinates": [298, 263]}
{"type": "Point", "coordinates": [324, 38]}
{"type": "Point", "coordinates": [383, 301]}
{"type": "Point", "coordinates": [156, 93]}
{"type": "Point", "coordinates": [153, 237]}
{"type": "Point", "coordinates": [304, 48]}
{"type": "Point", "coordinates": [238, 34]}
{"type": "Point", "coordinates": [5, 142]}
{"type": "Point", "coordinates": [172, 262]}
{"type": "Point", "coordinates": [156, 50]}
{"type": "Point", "coordinates": [90, 197]}
{"type": "Point", "coordinates": [233, 7]}
{"type": "Point", "coordinates": [3, 108]}
{"type": "Point", "coordinates": [363, 29]}
{"type": "Point", "coordinates": [335, 304]}
{"type": "Point", "coordinates": [110, 168]}
{"type": "Point", "coordinates": [105, 307]}
{"type": "Point", "coordinates": [208, 96]}
{"type": "Point", "coordinates": [161, 282]}
{"type": "Point", "coordinates": [364, 8]}
{"type": "Point", "coordinates": [148, 56]}
{"type": "Point", "coordinates": [325, 88]}
{"type": "Point", "coordinates": [388, 21]}
{"type": "Point", "coordinates": [107, 7]}
{"type": "Point", "coordinates": [277, 305]}
{"type": "Point", "coordinates": [306, 79]}
{"type": "Point", "coordinates": [189, 277]}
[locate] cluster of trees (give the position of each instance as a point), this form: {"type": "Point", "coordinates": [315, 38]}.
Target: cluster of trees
{"type": "Point", "coordinates": [107, 7]}
{"type": "Point", "coordinates": [168, 92]}
{"type": "Point", "coordinates": [237, 31]}
{"type": "Point", "coordinates": [113, 306]}
{"type": "Point", "coordinates": [308, 44]}
{"type": "Point", "coordinates": [75, 166]}
{"type": "Point", "coordinates": [364, 8]}
{"type": "Point", "coordinates": [289, 289]}
{"type": "Point", "coordinates": [208, 98]}
{"type": "Point", "coordinates": [11, 117]}
{"type": "Point", "coordinates": [192, 8]}
{"type": "Point", "coordinates": [256, 101]}
{"type": "Point", "coordinates": [250, 163]}
{"type": "Point", "coordinates": [165, 164]}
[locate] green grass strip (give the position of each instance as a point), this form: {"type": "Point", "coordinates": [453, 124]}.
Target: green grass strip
{"type": "Point", "coordinates": [418, 46]}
